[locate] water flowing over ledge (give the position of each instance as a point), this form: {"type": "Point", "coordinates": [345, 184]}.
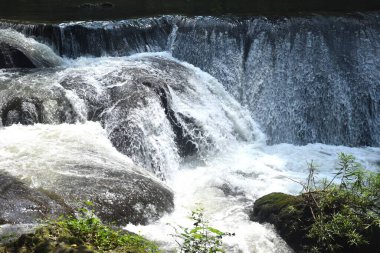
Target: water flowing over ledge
{"type": "Point", "coordinates": [148, 134]}
{"type": "Point", "coordinates": [304, 79]}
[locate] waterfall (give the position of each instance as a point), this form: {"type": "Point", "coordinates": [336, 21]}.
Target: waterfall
{"type": "Point", "coordinates": [304, 79]}
{"type": "Point", "coordinates": [151, 118]}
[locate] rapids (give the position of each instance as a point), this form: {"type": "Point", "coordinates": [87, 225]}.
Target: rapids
{"type": "Point", "coordinates": [213, 109]}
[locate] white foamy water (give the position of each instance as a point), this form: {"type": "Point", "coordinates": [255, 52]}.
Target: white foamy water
{"type": "Point", "coordinates": [235, 169]}
{"type": "Point", "coordinates": [249, 171]}
{"type": "Point", "coordinates": [226, 185]}
{"type": "Point", "coordinates": [29, 150]}
{"type": "Point", "coordinates": [40, 54]}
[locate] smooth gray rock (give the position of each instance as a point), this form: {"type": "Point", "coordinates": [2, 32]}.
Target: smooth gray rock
{"type": "Point", "coordinates": [22, 204]}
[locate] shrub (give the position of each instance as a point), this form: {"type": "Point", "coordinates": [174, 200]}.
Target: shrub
{"type": "Point", "coordinates": [346, 210]}
{"type": "Point", "coordinates": [201, 238]}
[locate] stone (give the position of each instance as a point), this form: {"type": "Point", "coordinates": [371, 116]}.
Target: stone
{"type": "Point", "coordinates": [287, 213]}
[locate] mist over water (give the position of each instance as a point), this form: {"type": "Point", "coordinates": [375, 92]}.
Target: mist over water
{"type": "Point", "coordinates": [202, 132]}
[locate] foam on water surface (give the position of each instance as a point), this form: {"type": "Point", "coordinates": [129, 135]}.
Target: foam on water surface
{"type": "Point", "coordinates": [227, 185]}
{"type": "Point", "coordinates": [225, 180]}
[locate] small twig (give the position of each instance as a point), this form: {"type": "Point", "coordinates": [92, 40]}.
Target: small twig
{"type": "Point", "coordinates": [298, 182]}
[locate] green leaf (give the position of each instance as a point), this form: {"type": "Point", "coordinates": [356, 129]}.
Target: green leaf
{"type": "Point", "coordinates": [215, 231]}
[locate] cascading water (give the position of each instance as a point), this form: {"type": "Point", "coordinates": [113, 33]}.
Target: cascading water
{"type": "Point", "coordinates": [91, 122]}
{"type": "Point", "coordinates": [304, 79]}
{"type": "Point", "coordinates": [39, 54]}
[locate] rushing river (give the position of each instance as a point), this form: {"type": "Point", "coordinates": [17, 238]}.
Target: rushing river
{"type": "Point", "coordinates": [220, 111]}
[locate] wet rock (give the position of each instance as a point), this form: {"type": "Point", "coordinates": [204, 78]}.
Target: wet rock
{"type": "Point", "coordinates": [96, 100]}
{"type": "Point", "coordinates": [23, 111]}
{"type": "Point", "coordinates": [22, 204]}
{"type": "Point", "coordinates": [229, 190]}
{"type": "Point", "coordinates": [138, 138]}
{"type": "Point", "coordinates": [11, 57]}
{"type": "Point", "coordinates": [22, 51]}
{"type": "Point", "coordinates": [119, 196]}
{"type": "Point", "coordinates": [28, 104]}
{"type": "Point", "coordinates": [143, 92]}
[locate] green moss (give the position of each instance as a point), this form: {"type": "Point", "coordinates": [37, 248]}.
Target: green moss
{"type": "Point", "coordinates": [83, 234]}
{"type": "Point", "coordinates": [288, 213]}
{"type": "Point", "coordinates": [277, 201]}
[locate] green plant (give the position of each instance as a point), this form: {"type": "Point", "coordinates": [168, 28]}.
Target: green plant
{"type": "Point", "coordinates": [103, 238]}
{"type": "Point", "coordinates": [201, 238]}
{"type": "Point", "coordinates": [81, 233]}
{"type": "Point", "coordinates": [346, 213]}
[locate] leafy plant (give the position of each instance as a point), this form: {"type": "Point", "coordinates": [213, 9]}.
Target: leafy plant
{"type": "Point", "coordinates": [103, 238]}
{"type": "Point", "coordinates": [201, 238]}
{"type": "Point", "coordinates": [346, 213]}
{"type": "Point", "coordinates": [81, 233]}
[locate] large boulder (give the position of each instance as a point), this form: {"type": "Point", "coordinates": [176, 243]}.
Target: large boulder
{"type": "Point", "coordinates": [58, 168]}
{"type": "Point", "coordinates": [118, 196]}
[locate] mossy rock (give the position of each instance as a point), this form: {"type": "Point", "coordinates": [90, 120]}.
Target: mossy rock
{"type": "Point", "coordinates": [55, 238]}
{"type": "Point", "coordinates": [289, 214]}
{"type": "Point", "coordinates": [48, 239]}
{"type": "Point", "coordinates": [292, 218]}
